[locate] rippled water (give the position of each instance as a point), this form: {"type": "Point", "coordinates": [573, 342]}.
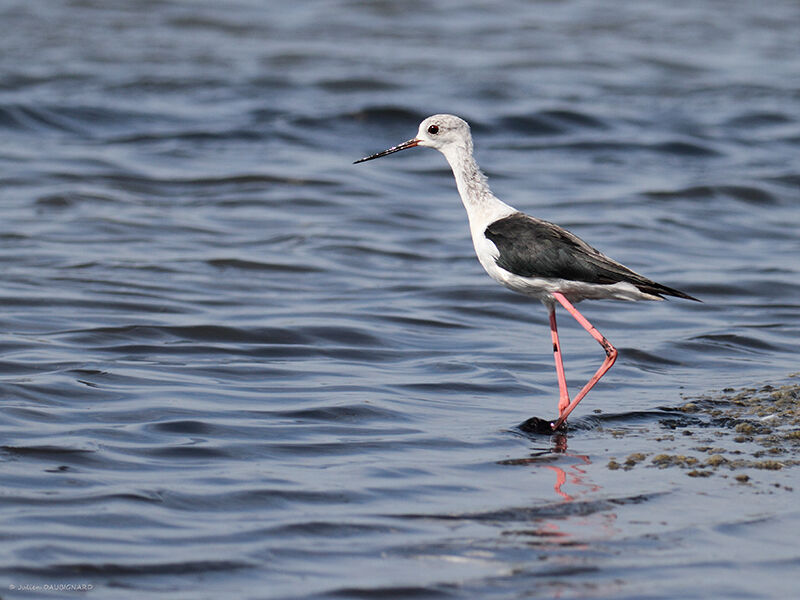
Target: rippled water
{"type": "Point", "coordinates": [233, 364]}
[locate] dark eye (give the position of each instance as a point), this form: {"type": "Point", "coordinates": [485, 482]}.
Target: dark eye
{"type": "Point", "coordinates": [433, 129]}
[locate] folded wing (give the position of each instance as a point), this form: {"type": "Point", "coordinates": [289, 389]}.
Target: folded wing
{"type": "Point", "coordinates": [531, 247]}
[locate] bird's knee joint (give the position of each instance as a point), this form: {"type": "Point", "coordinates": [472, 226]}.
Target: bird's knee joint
{"type": "Point", "coordinates": [611, 352]}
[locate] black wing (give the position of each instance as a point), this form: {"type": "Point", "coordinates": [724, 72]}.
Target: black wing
{"type": "Point", "coordinates": [534, 248]}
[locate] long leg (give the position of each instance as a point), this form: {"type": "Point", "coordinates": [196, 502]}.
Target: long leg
{"type": "Point", "coordinates": [563, 393]}
{"type": "Point", "coordinates": [611, 356]}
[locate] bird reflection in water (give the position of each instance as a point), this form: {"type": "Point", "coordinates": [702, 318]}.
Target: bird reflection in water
{"type": "Point", "coordinates": [543, 458]}
{"type": "Point", "coordinates": [578, 500]}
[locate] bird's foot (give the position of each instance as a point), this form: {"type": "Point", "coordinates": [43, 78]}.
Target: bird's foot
{"type": "Point", "coordinates": [541, 426]}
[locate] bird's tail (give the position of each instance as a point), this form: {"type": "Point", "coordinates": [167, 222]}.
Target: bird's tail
{"type": "Point", "coordinates": [660, 290]}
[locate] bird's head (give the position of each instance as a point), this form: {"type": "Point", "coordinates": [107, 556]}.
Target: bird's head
{"type": "Point", "coordinates": [442, 132]}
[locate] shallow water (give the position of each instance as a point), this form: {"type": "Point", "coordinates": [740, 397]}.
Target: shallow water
{"type": "Point", "coordinates": [235, 364]}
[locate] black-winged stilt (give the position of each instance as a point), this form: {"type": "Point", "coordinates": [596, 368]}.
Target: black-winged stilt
{"type": "Point", "coordinates": [531, 256]}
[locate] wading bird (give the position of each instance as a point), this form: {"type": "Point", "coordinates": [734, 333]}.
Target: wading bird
{"type": "Point", "coordinates": [532, 256]}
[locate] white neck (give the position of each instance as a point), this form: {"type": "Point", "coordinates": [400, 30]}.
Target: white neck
{"type": "Point", "coordinates": [483, 207]}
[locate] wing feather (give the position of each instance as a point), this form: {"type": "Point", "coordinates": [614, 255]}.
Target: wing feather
{"type": "Point", "coordinates": [531, 247]}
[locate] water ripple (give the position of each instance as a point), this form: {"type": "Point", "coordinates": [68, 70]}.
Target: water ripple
{"type": "Point", "coordinates": [233, 363]}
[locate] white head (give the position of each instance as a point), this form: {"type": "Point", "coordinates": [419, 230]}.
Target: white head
{"type": "Point", "coordinates": [441, 131]}
{"type": "Point", "coordinates": [446, 133]}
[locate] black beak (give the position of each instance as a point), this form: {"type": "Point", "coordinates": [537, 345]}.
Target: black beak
{"type": "Point", "coordinates": [392, 150]}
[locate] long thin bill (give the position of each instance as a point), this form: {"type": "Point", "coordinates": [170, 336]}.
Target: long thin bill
{"type": "Point", "coordinates": [392, 150]}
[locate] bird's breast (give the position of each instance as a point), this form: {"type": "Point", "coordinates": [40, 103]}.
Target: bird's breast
{"type": "Point", "coordinates": [488, 254]}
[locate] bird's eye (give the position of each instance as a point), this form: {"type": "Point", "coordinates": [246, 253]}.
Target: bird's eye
{"type": "Point", "coordinates": [433, 129]}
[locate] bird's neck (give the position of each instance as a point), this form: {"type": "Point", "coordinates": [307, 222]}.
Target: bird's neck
{"type": "Point", "coordinates": [483, 207]}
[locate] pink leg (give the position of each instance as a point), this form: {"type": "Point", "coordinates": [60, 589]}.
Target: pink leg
{"type": "Point", "coordinates": [563, 400]}
{"type": "Point", "coordinates": [611, 356]}
{"type": "Point", "coordinates": [561, 479]}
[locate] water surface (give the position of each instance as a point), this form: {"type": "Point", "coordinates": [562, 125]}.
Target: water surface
{"type": "Point", "coordinates": [235, 364]}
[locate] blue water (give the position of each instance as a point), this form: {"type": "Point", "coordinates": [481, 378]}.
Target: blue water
{"type": "Point", "coordinates": [236, 365]}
